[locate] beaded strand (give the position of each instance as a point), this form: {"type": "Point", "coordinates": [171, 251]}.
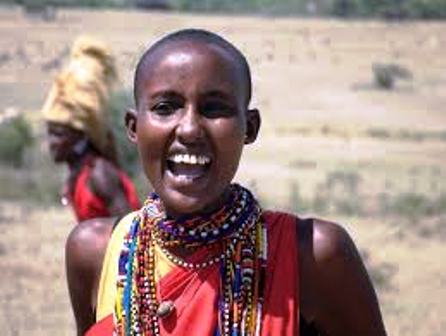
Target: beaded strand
{"type": "Point", "coordinates": [241, 234]}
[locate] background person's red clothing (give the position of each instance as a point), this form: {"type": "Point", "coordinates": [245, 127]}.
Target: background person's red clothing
{"type": "Point", "coordinates": [87, 205]}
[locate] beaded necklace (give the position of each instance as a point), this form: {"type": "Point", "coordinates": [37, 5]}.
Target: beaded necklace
{"type": "Point", "coordinates": [236, 231]}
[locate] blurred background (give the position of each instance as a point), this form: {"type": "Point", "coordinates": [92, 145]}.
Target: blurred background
{"type": "Point", "coordinates": [353, 100]}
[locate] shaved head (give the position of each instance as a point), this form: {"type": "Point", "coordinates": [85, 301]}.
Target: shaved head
{"type": "Point", "coordinates": [192, 36]}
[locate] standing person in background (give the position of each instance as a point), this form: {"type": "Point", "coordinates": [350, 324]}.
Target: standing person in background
{"type": "Point", "coordinates": [201, 257]}
{"type": "Point", "coordinates": [75, 112]}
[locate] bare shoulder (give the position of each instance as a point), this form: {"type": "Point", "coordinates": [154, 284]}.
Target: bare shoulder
{"type": "Point", "coordinates": [89, 239]}
{"type": "Point", "coordinates": [334, 254]}
{"type": "Point", "coordinates": [331, 241]}
{"type": "Point", "coordinates": [84, 253]}
{"type": "Point", "coordinates": [104, 171]}
{"type": "Point", "coordinates": [104, 179]}
{"type": "Point", "coordinates": [334, 279]}
{"type": "Point", "coordinates": [103, 165]}
{"type": "Point", "coordinates": [323, 239]}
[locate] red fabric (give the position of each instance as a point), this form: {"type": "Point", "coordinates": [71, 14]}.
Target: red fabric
{"type": "Point", "coordinates": [281, 306]}
{"type": "Point", "coordinates": [102, 328]}
{"type": "Point", "coordinates": [87, 205]}
{"type": "Point", "coordinates": [195, 294]}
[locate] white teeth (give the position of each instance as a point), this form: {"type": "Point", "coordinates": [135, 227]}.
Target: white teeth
{"type": "Point", "coordinates": [190, 159]}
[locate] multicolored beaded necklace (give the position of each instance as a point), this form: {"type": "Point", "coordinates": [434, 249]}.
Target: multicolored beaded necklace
{"type": "Point", "coordinates": [236, 231]}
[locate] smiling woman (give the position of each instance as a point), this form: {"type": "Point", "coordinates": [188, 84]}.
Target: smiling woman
{"type": "Point", "coordinates": [201, 257]}
{"type": "Point", "coordinates": [192, 104]}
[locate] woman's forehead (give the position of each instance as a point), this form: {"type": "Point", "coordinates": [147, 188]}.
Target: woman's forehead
{"type": "Point", "coordinates": [205, 64]}
{"type": "Point", "coordinates": [185, 53]}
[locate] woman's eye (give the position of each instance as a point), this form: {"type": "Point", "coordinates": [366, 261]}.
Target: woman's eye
{"type": "Point", "coordinates": [164, 108]}
{"type": "Point", "coordinates": [216, 109]}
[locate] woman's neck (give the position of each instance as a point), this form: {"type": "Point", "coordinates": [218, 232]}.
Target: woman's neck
{"type": "Point", "coordinates": [172, 214]}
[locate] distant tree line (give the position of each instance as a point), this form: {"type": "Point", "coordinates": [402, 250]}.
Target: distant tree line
{"type": "Point", "coordinates": [389, 9]}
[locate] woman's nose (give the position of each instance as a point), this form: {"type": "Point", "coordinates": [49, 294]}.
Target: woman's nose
{"type": "Point", "coordinates": [190, 128]}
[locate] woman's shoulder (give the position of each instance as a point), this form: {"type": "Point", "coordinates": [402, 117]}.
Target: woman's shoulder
{"type": "Point", "coordinates": [333, 277]}
{"type": "Point", "coordinates": [104, 177]}
{"type": "Point", "coordinates": [101, 166]}
{"type": "Point", "coordinates": [325, 239]}
{"type": "Point", "coordinates": [328, 239]}
{"type": "Point", "coordinates": [87, 242]}
{"type": "Point", "coordinates": [84, 252]}
{"type": "Point", "coordinates": [90, 238]}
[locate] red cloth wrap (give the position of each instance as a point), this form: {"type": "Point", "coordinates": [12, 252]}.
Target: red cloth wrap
{"type": "Point", "coordinates": [195, 294]}
{"type": "Point", "coordinates": [87, 205]}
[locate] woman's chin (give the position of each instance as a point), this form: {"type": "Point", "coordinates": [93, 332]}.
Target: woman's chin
{"type": "Point", "coordinates": [180, 204]}
{"type": "Point", "coordinates": [183, 195]}
{"type": "Point", "coordinates": [183, 206]}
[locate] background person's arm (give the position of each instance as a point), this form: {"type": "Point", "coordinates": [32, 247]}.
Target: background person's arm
{"type": "Point", "coordinates": [105, 183]}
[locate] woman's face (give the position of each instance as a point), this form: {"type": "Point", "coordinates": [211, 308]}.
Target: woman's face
{"type": "Point", "coordinates": [190, 125]}
{"type": "Point", "coordinates": [61, 140]}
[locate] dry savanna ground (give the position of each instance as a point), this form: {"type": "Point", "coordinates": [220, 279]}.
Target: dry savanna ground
{"type": "Point", "coordinates": [332, 144]}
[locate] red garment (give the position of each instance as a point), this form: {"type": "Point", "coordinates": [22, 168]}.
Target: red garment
{"type": "Point", "coordinates": [195, 293]}
{"type": "Point", "coordinates": [87, 205]}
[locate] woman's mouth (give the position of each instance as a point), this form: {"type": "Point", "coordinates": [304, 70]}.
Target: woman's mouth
{"type": "Point", "coordinates": [188, 167]}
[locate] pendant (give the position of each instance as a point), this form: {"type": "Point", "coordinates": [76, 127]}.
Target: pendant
{"type": "Point", "coordinates": [165, 308]}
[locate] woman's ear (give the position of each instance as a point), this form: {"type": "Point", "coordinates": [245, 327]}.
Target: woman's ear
{"type": "Point", "coordinates": [130, 124]}
{"type": "Point", "coordinates": [253, 122]}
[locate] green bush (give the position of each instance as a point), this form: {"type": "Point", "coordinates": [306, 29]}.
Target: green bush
{"type": "Point", "coordinates": [36, 4]}
{"type": "Point", "coordinates": [412, 206]}
{"type": "Point", "coordinates": [427, 9]}
{"type": "Point", "coordinates": [297, 203]}
{"type": "Point", "coordinates": [385, 74]}
{"type": "Point", "coordinates": [15, 137]}
{"type": "Point", "coordinates": [384, 78]}
{"type": "Point", "coordinates": [391, 9]}
{"type": "Point", "coordinates": [127, 153]}
{"type": "Point", "coordinates": [344, 8]}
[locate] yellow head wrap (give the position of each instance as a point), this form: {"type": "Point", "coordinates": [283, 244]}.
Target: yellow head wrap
{"type": "Point", "coordinates": [80, 94]}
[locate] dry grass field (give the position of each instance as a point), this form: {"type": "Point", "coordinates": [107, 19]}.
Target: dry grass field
{"type": "Point", "coordinates": [332, 144]}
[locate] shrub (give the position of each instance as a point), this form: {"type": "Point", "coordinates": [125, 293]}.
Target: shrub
{"type": "Point", "coordinates": [388, 9]}
{"type": "Point", "coordinates": [344, 8]}
{"type": "Point", "coordinates": [377, 132]}
{"type": "Point", "coordinates": [344, 192]}
{"type": "Point", "coordinates": [321, 202]}
{"type": "Point", "coordinates": [427, 9]}
{"type": "Point", "coordinates": [295, 200]}
{"type": "Point", "coordinates": [439, 204]}
{"type": "Point", "coordinates": [127, 153]}
{"type": "Point", "coordinates": [15, 137]}
{"type": "Point", "coordinates": [386, 74]}
{"type": "Point", "coordinates": [412, 206]}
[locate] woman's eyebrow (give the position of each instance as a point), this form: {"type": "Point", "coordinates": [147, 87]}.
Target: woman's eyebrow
{"type": "Point", "coordinates": [164, 94]}
{"type": "Point", "coordinates": [217, 94]}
